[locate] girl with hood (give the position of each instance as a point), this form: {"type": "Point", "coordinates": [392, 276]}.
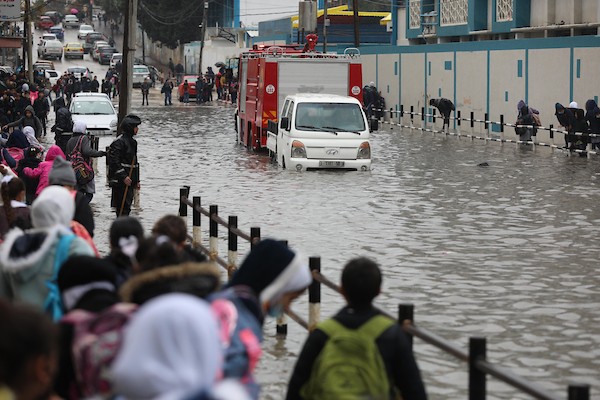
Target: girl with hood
{"type": "Point", "coordinates": [592, 115]}
{"type": "Point", "coordinates": [525, 117]}
{"type": "Point", "coordinates": [14, 212]}
{"type": "Point", "coordinates": [16, 144]}
{"type": "Point", "coordinates": [43, 170]}
{"type": "Point", "coordinates": [170, 350]}
{"type": "Point", "coordinates": [567, 120]}
{"type": "Point", "coordinates": [268, 280]}
{"type": "Point", "coordinates": [27, 258]}
{"type": "Point", "coordinates": [32, 160]}
{"type": "Point", "coordinates": [28, 119]}
{"type": "Point", "coordinates": [30, 136]}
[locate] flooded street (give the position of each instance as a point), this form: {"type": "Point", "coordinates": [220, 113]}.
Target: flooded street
{"type": "Point", "coordinates": [508, 251]}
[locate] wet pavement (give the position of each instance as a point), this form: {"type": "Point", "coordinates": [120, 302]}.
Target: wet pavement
{"type": "Point", "coordinates": [508, 251]}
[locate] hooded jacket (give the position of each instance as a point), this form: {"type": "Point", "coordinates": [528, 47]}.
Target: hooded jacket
{"type": "Point", "coordinates": [32, 121]}
{"type": "Point", "coordinates": [87, 151]}
{"type": "Point", "coordinates": [592, 115]}
{"type": "Point", "coordinates": [565, 116]}
{"type": "Point", "coordinates": [43, 170]}
{"type": "Point", "coordinates": [27, 258]}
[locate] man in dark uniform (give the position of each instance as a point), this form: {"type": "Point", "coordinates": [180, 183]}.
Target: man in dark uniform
{"type": "Point", "coordinates": [123, 167]}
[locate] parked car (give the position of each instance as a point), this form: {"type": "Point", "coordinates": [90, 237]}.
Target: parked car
{"type": "Point", "coordinates": [52, 75]}
{"type": "Point", "coordinates": [84, 30]}
{"type": "Point", "coordinates": [115, 59]}
{"type": "Point", "coordinates": [50, 49]}
{"type": "Point", "coordinates": [191, 79]}
{"type": "Point", "coordinates": [80, 72]}
{"type": "Point", "coordinates": [55, 16]}
{"type": "Point", "coordinates": [6, 70]}
{"type": "Point", "coordinates": [95, 53]}
{"type": "Point", "coordinates": [90, 39]}
{"type": "Point", "coordinates": [140, 72]}
{"type": "Point", "coordinates": [71, 21]}
{"type": "Point", "coordinates": [74, 50]}
{"type": "Point", "coordinates": [44, 22]}
{"type": "Point", "coordinates": [58, 32]}
{"type": "Point", "coordinates": [96, 110]}
{"type": "Point", "coordinates": [106, 54]}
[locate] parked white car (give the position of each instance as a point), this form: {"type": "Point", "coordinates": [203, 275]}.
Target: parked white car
{"type": "Point", "coordinates": [115, 59]}
{"type": "Point", "coordinates": [84, 30]}
{"type": "Point", "coordinates": [140, 72]}
{"type": "Point", "coordinates": [96, 110]}
{"type": "Point", "coordinates": [80, 72]}
{"type": "Point", "coordinates": [52, 75]}
{"type": "Point", "coordinates": [321, 131]}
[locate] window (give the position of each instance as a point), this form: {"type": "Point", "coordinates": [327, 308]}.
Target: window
{"type": "Point", "coordinates": [100, 107]}
{"type": "Point", "coordinates": [415, 14]}
{"type": "Point", "coordinates": [454, 12]}
{"type": "Point", "coordinates": [336, 117]}
{"type": "Point", "coordinates": [504, 10]}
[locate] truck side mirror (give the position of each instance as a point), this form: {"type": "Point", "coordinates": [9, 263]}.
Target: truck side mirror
{"type": "Point", "coordinates": [373, 124]}
{"type": "Point", "coordinates": [285, 123]}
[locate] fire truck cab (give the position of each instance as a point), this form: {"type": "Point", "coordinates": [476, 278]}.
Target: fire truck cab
{"type": "Point", "coordinates": [267, 74]}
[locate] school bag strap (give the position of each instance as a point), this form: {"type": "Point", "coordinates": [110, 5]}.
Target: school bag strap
{"type": "Point", "coordinates": [53, 303]}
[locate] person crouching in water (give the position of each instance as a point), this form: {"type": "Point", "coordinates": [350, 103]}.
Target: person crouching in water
{"type": "Point", "coordinates": [445, 107]}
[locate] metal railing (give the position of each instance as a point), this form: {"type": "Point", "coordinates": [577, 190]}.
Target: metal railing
{"type": "Point", "coordinates": [479, 366]}
{"type": "Point", "coordinates": [397, 118]}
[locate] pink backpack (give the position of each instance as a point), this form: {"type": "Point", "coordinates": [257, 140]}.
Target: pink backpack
{"type": "Point", "coordinates": [96, 341]}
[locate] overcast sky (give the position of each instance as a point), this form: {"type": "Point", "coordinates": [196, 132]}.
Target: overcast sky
{"type": "Point", "coordinates": [253, 11]}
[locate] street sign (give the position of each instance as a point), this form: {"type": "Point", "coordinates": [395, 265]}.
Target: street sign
{"type": "Point", "coordinates": [10, 10]}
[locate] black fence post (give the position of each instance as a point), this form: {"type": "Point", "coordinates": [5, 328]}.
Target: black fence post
{"type": "Point", "coordinates": [232, 246]}
{"type": "Point", "coordinates": [314, 294]}
{"type": "Point", "coordinates": [487, 118]}
{"type": "Point", "coordinates": [213, 240]}
{"type": "Point", "coordinates": [401, 110]}
{"type": "Point", "coordinates": [406, 312]}
{"type": "Point", "coordinates": [412, 114]}
{"type": "Point", "coordinates": [502, 123]}
{"type": "Point", "coordinates": [459, 117]}
{"type": "Point", "coordinates": [472, 119]}
{"type": "Point", "coordinates": [196, 222]}
{"type": "Point", "coordinates": [433, 119]}
{"type": "Point", "coordinates": [422, 113]}
{"type": "Point", "coordinates": [477, 378]}
{"type": "Point", "coordinates": [579, 391]}
{"type": "Point", "coordinates": [183, 192]}
{"type": "Point", "coordinates": [551, 131]}
{"type": "Point", "coordinates": [254, 236]}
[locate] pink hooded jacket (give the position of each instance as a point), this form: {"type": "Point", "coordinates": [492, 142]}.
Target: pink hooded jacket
{"type": "Point", "coordinates": [43, 170]}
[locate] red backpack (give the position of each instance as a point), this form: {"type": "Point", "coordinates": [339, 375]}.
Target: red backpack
{"type": "Point", "coordinates": [96, 342]}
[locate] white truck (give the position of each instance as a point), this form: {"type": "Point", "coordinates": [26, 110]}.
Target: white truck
{"type": "Point", "coordinates": [50, 49]}
{"type": "Point", "coordinates": [321, 131]}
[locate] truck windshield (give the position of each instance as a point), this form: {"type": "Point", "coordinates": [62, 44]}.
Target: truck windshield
{"type": "Point", "coordinates": [338, 117]}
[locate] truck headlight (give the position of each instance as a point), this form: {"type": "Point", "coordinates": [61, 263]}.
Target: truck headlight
{"type": "Point", "coordinates": [364, 151]}
{"type": "Point", "coordinates": [298, 150]}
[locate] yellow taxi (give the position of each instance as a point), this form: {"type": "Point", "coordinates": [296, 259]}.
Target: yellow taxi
{"type": "Point", "coordinates": [73, 50]}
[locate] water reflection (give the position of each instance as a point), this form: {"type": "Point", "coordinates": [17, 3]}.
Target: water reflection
{"type": "Point", "coordinates": [507, 251]}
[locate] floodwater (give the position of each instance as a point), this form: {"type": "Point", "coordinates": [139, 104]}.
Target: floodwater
{"type": "Point", "coordinates": [509, 251]}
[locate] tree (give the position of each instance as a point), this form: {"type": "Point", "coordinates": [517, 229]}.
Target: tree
{"type": "Point", "coordinates": [171, 22]}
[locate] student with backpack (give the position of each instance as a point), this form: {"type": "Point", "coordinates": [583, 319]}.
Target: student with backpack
{"type": "Point", "coordinates": [359, 353]}
{"type": "Point", "coordinates": [30, 260]}
{"type": "Point", "coordinates": [268, 280]}
{"type": "Point", "coordinates": [80, 152]}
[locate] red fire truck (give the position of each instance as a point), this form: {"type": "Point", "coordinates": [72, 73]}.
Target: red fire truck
{"type": "Point", "coordinates": [267, 74]}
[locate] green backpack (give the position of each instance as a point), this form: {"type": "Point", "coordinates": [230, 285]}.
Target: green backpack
{"type": "Point", "coordinates": [350, 366]}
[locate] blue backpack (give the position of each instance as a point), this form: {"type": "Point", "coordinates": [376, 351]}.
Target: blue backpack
{"type": "Point", "coordinates": [53, 303]}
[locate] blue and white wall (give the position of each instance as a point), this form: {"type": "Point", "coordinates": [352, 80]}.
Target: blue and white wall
{"type": "Point", "coordinates": [488, 76]}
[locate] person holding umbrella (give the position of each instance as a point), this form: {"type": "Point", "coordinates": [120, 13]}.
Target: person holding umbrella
{"type": "Point", "coordinates": [123, 167]}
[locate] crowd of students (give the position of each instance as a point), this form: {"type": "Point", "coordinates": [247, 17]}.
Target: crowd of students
{"type": "Point", "coordinates": [153, 319]}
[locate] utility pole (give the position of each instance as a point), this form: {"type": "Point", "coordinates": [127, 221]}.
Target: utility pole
{"type": "Point", "coordinates": [356, 23]}
{"type": "Point", "coordinates": [129, 33]}
{"type": "Point", "coordinates": [29, 41]}
{"type": "Point", "coordinates": [143, 47]}
{"type": "Point", "coordinates": [202, 35]}
{"type": "Point", "coordinates": [325, 26]}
